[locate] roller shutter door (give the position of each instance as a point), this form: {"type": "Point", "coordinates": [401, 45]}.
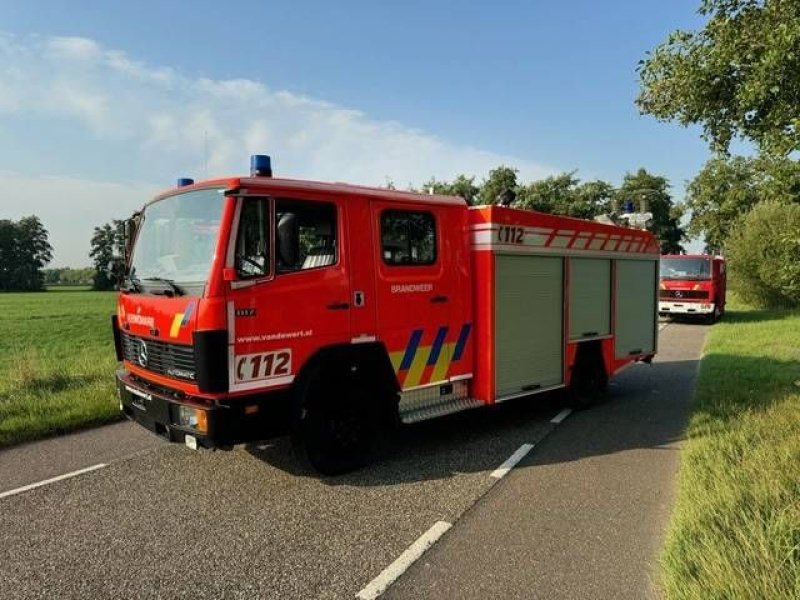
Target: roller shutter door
{"type": "Point", "coordinates": [636, 307]}
{"type": "Point", "coordinates": [589, 297]}
{"type": "Point", "coordinates": [528, 323]}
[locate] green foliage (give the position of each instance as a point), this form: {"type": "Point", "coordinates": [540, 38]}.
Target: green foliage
{"type": "Point", "coordinates": [108, 246]}
{"type": "Point", "coordinates": [735, 529]}
{"type": "Point", "coordinates": [738, 76]}
{"type": "Point", "coordinates": [24, 251]}
{"type": "Point", "coordinates": [764, 255]}
{"type": "Point", "coordinates": [727, 188]}
{"type": "Point", "coordinates": [68, 276]}
{"type": "Point", "coordinates": [652, 191]}
{"type": "Point", "coordinates": [462, 186]}
{"type": "Point", "coordinates": [500, 180]}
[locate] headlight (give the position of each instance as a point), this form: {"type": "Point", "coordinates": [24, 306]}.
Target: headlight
{"type": "Point", "coordinates": [195, 418]}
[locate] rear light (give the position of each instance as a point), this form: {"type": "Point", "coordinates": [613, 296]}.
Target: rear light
{"type": "Point", "coordinates": [194, 418]}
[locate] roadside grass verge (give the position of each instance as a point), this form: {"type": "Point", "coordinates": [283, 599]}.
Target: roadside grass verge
{"type": "Point", "coordinates": [735, 530]}
{"type": "Point", "coordinates": [56, 363]}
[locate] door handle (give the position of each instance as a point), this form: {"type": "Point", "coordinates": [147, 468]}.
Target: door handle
{"type": "Point", "coordinates": [439, 299]}
{"type": "Point", "coordinates": [338, 306]}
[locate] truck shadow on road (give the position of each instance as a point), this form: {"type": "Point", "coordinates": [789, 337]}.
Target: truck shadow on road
{"type": "Point", "coordinates": [648, 407]}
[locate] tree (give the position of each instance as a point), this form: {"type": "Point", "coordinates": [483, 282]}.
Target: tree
{"type": "Point", "coordinates": [24, 252]}
{"type": "Point", "coordinates": [500, 180]}
{"type": "Point", "coordinates": [564, 194]}
{"type": "Point", "coordinates": [727, 188]}
{"type": "Point", "coordinates": [653, 190]}
{"type": "Point", "coordinates": [738, 76]}
{"type": "Point", "coordinates": [461, 186]}
{"type": "Point", "coordinates": [721, 192]}
{"type": "Point", "coordinates": [763, 254]}
{"type": "Point", "coordinates": [107, 246]}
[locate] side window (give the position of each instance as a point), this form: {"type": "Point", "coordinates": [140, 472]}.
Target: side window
{"type": "Point", "coordinates": [408, 237]}
{"type": "Point", "coordinates": [251, 257]}
{"type": "Point", "coordinates": [305, 235]}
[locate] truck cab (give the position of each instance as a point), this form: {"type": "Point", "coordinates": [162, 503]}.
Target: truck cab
{"type": "Point", "coordinates": [692, 285]}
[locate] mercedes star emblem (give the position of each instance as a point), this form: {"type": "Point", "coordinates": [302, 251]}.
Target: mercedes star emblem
{"type": "Point", "coordinates": [142, 353]}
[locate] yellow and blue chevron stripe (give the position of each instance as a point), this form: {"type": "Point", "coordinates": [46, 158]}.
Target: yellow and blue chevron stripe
{"type": "Point", "coordinates": [180, 320]}
{"type": "Point", "coordinates": [421, 365]}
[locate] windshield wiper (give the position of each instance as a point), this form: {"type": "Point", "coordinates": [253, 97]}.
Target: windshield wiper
{"type": "Point", "coordinates": [173, 288]}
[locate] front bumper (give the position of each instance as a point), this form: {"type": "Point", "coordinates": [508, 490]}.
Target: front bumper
{"type": "Point", "coordinates": [686, 308]}
{"type": "Point", "coordinates": [240, 421]}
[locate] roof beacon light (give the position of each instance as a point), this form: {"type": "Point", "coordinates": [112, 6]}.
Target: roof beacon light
{"type": "Point", "coordinates": [260, 166]}
{"type": "Point", "coordinates": [184, 181]}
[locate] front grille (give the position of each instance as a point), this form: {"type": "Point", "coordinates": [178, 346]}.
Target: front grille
{"type": "Point", "coordinates": [172, 360]}
{"type": "Point", "coordinates": [684, 294]}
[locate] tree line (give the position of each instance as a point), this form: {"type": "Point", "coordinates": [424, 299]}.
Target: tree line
{"type": "Point", "coordinates": [738, 77]}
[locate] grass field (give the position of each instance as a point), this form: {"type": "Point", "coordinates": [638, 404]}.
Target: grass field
{"type": "Point", "coordinates": [735, 531]}
{"type": "Point", "coordinates": [56, 363]}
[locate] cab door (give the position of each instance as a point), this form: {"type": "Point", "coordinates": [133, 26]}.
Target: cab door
{"type": "Point", "coordinates": [422, 297]}
{"type": "Point", "coordinates": [291, 293]}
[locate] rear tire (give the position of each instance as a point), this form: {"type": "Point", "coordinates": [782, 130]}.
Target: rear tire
{"type": "Point", "coordinates": [589, 381]}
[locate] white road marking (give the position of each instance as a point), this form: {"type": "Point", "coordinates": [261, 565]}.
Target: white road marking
{"type": "Point", "coordinates": [561, 416]}
{"type": "Point", "coordinates": [389, 575]}
{"type": "Point", "coordinates": [511, 461]}
{"type": "Point", "coordinates": [33, 486]}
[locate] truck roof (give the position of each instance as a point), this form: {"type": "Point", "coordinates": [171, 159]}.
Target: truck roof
{"type": "Point", "coordinates": [278, 184]}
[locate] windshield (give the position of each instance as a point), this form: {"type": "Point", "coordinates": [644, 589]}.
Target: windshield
{"type": "Point", "coordinates": [177, 237]}
{"type": "Point", "coordinates": [685, 268]}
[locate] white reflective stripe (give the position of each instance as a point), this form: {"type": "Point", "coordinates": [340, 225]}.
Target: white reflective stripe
{"type": "Point", "coordinates": [38, 484]}
{"type": "Point", "coordinates": [266, 383]}
{"type": "Point", "coordinates": [389, 575]}
{"type": "Point", "coordinates": [363, 339]}
{"type": "Point", "coordinates": [511, 461]}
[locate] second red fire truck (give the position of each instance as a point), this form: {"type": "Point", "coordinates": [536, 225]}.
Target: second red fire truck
{"type": "Point", "coordinates": [257, 305]}
{"type": "Point", "coordinates": [693, 285]}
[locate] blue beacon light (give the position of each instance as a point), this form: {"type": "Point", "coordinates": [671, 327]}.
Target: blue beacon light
{"type": "Point", "coordinates": [260, 166]}
{"type": "Point", "coordinates": [184, 181]}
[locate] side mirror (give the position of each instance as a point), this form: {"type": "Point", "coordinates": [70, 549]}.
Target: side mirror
{"type": "Point", "coordinates": [114, 269]}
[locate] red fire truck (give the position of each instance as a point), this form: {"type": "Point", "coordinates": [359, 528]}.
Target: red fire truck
{"type": "Point", "coordinates": [692, 285]}
{"type": "Point", "coordinates": [256, 305]}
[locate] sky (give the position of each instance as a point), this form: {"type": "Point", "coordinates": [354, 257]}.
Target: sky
{"type": "Point", "coordinates": [104, 104]}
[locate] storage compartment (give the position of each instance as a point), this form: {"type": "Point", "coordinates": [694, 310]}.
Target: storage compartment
{"type": "Point", "coordinates": [589, 297]}
{"type": "Point", "coordinates": [528, 323]}
{"type": "Point", "coordinates": [636, 307]}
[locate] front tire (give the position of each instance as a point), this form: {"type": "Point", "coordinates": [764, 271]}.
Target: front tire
{"type": "Point", "coordinates": [339, 430]}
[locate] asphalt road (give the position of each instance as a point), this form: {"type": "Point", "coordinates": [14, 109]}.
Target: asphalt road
{"type": "Point", "coordinates": [581, 516]}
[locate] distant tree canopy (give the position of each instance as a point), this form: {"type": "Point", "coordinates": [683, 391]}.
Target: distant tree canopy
{"type": "Point", "coordinates": [565, 194]}
{"type": "Point", "coordinates": [739, 76]}
{"type": "Point", "coordinates": [107, 247]}
{"type": "Point", "coordinates": [24, 252]}
{"type": "Point", "coordinates": [69, 276]}
{"type": "Point", "coordinates": [725, 189]}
